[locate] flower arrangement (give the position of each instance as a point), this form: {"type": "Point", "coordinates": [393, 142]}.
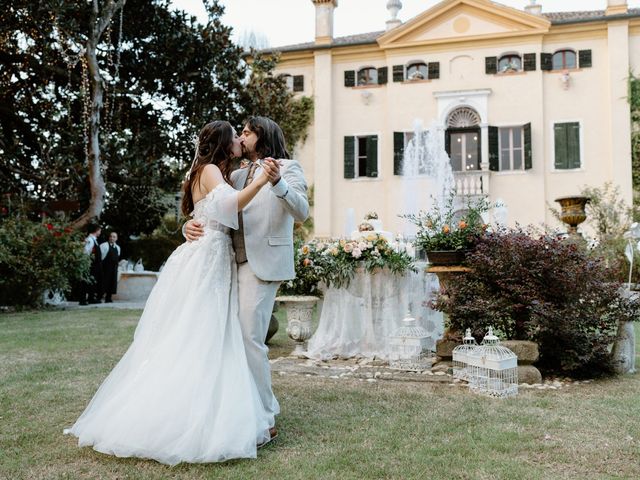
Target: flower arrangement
{"type": "Point", "coordinates": [371, 216]}
{"type": "Point", "coordinates": [445, 229]}
{"type": "Point", "coordinates": [335, 262]}
{"type": "Point", "coordinates": [371, 251]}
{"type": "Point", "coordinates": [309, 270]}
{"type": "Point", "coordinates": [365, 227]}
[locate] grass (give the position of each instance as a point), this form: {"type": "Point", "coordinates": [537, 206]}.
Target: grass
{"type": "Point", "coordinates": [52, 362]}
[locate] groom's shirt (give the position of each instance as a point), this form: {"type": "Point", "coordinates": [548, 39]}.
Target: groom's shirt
{"type": "Point", "coordinates": [237, 236]}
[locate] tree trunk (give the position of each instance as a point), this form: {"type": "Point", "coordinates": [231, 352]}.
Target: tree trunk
{"type": "Point", "coordinates": [96, 182]}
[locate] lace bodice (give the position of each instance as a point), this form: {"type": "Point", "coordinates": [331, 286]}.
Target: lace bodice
{"type": "Point", "coordinates": [218, 210]}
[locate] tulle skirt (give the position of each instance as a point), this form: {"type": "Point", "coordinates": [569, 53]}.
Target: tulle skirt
{"type": "Point", "coordinates": [183, 391]}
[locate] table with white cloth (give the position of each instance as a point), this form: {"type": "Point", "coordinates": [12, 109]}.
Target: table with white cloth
{"type": "Point", "coordinates": [357, 320]}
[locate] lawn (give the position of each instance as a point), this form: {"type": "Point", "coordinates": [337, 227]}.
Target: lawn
{"type": "Point", "coordinates": [52, 362]}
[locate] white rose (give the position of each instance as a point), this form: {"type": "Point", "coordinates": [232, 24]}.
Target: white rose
{"type": "Point", "coordinates": [357, 253]}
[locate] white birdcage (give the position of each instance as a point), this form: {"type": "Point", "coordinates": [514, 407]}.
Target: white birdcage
{"type": "Point", "coordinates": [408, 347]}
{"type": "Point", "coordinates": [461, 355]}
{"type": "Point", "coordinates": [493, 369]}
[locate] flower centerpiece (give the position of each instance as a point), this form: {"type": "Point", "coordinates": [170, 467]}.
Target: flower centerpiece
{"type": "Point", "coordinates": [371, 251]}
{"type": "Point", "coordinates": [446, 234]}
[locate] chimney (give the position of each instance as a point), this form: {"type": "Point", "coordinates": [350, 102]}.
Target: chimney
{"type": "Point", "coordinates": [394, 7]}
{"type": "Point", "coordinates": [616, 7]}
{"type": "Point", "coordinates": [533, 9]}
{"type": "Point", "coordinates": [324, 20]}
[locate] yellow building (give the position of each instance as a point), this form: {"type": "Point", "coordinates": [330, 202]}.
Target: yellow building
{"type": "Point", "coordinates": [532, 106]}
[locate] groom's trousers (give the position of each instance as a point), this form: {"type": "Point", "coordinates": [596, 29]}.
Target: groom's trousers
{"type": "Point", "coordinates": [256, 305]}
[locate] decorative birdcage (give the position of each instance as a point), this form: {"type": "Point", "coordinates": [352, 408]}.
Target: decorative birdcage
{"type": "Point", "coordinates": [408, 347]}
{"type": "Point", "coordinates": [461, 354]}
{"type": "Point", "coordinates": [493, 369]}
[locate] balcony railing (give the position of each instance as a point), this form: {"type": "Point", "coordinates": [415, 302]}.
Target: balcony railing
{"type": "Point", "coordinates": [472, 183]}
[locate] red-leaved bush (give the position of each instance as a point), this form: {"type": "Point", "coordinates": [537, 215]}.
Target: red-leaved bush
{"type": "Point", "coordinates": [544, 289]}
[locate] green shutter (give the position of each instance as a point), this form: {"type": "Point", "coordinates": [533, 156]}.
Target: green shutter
{"type": "Point", "coordinates": [528, 154]}
{"type": "Point", "coordinates": [372, 156]}
{"type": "Point", "coordinates": [584, 58]}
{"type": "Point", "coordinates": [349, 157]}
{"type": "Point", "coordinates": [529, 62]}
{"type": "Point", "coordinates": [573, 145]}
{"type": "Point", "coordinates": [398, 73]}
{"type": "Point", "coordinates": [298, 83]}
{"type": "Point", "coordinates": [491, 65]}
{"type": "Point", "coordinates": [398, 152]}
{"type": "Point", "coordinates": [494, 149]}
{"type": "Point", "coordinates": [382, 75]}
{"type": "Point", "coordinates": [546, 61]}
{"type": "Point", "coordinates": [434, 70]}
{"type": "Point", "coordinates": [561, 161]}
{"type": "Point", "coordinates": [447, 142]}
{"type": "Point", "coordinates": [349, 78]}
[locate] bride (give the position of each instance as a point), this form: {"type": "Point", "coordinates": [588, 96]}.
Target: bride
{"type": "Point", "coordinates": [183, 391]}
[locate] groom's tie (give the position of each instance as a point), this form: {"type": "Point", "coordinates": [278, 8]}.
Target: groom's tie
{"type": "Point", "coordinates": [238, 235]}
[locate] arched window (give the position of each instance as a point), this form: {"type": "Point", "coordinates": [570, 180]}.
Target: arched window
{"type": "Point", "coordinates": [417, 71]}
{"type": "Point", "coordinates": [368, 76]}
{"type": "Point", "coordinates": [564, 60]}
{"type": "Point", "coordinates": [288, 80]}
{"type": "Point", "coordinates": [511, 62]}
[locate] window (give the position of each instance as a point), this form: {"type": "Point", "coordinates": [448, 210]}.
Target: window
{"type": "Point", "coordinates": [511, 148]}
{"type": "Point", "coordinates": [418, 164]}
{"type": "Point", "coordinates": [417, 71]}
{"type": "Point", "coordinates": [566, 138]}
{"type": "Point", "coordinates": [361, 156]}
{"type": "Point", "coordinates": [564, 60]}
{"type": "Point", "coordinates": [510, 63]}
{"type": "Point", "coordinates": [368, 76]}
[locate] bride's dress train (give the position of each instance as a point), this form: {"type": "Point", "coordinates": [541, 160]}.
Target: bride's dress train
{"type": "Point", "coordinates": [183, 391]}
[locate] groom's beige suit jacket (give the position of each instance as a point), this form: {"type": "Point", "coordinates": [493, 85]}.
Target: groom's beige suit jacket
{"type": "Point", "coordinates": [268, 221]}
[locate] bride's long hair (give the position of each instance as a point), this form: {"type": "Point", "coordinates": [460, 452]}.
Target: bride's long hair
{"type": "Point", "coordinates": [214, 147]}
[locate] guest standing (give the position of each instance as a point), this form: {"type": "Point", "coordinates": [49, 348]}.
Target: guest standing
{"type": "Point", "coordinates": [110, 252]}
{"type": "Point", "coordinates": [92, 290]}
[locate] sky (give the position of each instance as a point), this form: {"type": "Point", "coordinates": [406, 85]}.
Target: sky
{"type": "Point", "coordinates": [286, 22]}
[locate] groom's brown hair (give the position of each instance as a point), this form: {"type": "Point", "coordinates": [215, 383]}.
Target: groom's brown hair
{"type": "Point", "coordinates": [271, 142]}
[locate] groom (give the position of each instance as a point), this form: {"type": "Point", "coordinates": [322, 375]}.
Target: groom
{"type": "Point", "coordinates": [264, 242]}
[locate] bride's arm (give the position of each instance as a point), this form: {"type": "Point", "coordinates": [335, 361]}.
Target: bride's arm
{"type": "Point", "coordinates": [212, 177]}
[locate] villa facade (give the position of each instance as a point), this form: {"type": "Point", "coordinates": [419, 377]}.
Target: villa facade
{"type": "Point", "coordinates": [531, 106]}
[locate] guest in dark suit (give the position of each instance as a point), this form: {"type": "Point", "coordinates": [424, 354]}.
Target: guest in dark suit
{"type": "Point", "coordinates": [92, 290]}
{"type": "Point", "coordinates": [110, 252]}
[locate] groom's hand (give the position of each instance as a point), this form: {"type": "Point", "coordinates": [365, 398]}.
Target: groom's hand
{"type": "Point", "coordinates": [272, 170]}
{"type": "Point", "coordinates": [193, 230]}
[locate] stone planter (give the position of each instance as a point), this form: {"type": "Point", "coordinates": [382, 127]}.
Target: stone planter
{"type": "Point", "coordinates": [572, 212]}
{"type": "Point", "coordinates": [299, 309]}
{"type": "Point", "coordinates": [445, 258]}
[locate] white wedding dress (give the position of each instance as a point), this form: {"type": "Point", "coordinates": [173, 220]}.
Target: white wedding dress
{"type": "Point", "coordinates": [183, 391]}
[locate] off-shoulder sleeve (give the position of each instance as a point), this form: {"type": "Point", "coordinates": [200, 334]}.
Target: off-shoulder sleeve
{"type": "Point", "coordinates": [222, 206]}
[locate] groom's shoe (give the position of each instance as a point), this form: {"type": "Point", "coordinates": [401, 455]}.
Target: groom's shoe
{"type": "Point", "coordinates": [273, 434]}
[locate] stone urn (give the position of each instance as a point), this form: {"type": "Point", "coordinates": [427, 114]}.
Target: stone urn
{"type": "Point", "coordinates": [572, 212]}
{"type": "Point", "coordinates": [299, 310]}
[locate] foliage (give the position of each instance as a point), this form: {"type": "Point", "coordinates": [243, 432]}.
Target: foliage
{"type": "Point", "coordinates": [155, 248]}
{"type": "Point", "coordinates": [309, 270]}
{"type": "Point", "coordinates": [610, 217]}
{"type": "Point", "coordinates": [35, 257]}
{"type": "Point", "coordinates": [634, 103]}
{"type": "Point", "coordinates": [268, 95]}
{"type": "Point", "coordinates": [164, 77]}
{"type": "Point", "coordinates": [543, 289]}
{"type": "Point", "coordinates": [447, 229]}
{"type": "Point", "coordinates": [341, 258]}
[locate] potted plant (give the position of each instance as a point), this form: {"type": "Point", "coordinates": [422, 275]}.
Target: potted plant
{"type": "Point", "coordinates": [446, 234]}
{"type": "Point", "coordinates": [299, 295]}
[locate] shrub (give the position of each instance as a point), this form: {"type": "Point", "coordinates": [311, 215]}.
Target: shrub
{"type": "Point", "coordinates": [307, 262]}
{"type": "Point", "coordinates": [35, 257]}
{"type": "Point", "coordinates": [154, 249]}
{"type": "Point", "coordinates": [544, 289]}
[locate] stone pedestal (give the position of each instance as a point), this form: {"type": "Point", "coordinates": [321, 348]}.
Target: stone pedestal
{"type": "Point", "coordinates": [135, 286]}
